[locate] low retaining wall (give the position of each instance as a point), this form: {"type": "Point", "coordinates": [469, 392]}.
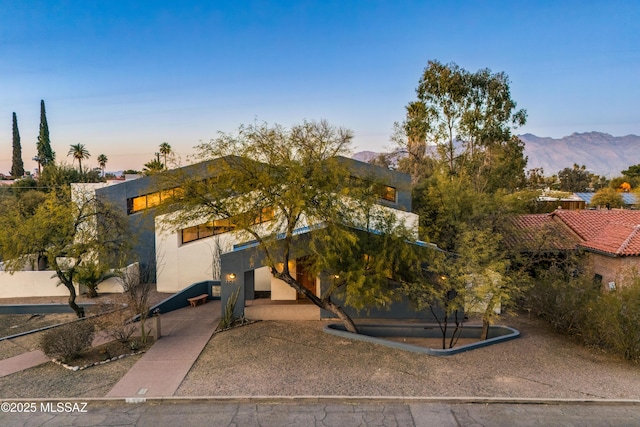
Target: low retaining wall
{"type": "Point", "coordinates": [377, 334]}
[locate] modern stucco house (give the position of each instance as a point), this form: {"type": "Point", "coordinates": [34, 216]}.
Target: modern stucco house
{"type": "Point", "coordinates": [207, 249]}
{"type": "Point", "coordinates": [611, 238]}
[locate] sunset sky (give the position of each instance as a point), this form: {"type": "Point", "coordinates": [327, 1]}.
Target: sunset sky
{"type": "Point", "coordinates": [122, 77]}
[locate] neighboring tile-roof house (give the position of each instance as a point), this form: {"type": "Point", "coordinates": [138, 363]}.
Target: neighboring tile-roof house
{"type": "Point", "coordinates": [610, 232]}
{"type": "Point", "coordinates": [614, 232]}
{"type": "Point", "coordinates": [540, 231]}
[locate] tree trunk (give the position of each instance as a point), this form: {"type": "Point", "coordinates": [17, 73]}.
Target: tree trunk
{"type": "Point", "coordinates": [92, 292]}
{"type": "Point", "coordinates": [485, 330]}
{"type": "Point", "coordinates": [72, 294]}
{"type": "Point", "coordinates": [324, 303]}
{"type": "Point", "coordinates": [344, 317]}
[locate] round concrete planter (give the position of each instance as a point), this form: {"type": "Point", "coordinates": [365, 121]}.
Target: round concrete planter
{"type": "Point", "coordinates": [377, 333]}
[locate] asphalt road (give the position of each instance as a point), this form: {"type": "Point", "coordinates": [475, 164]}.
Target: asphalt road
{"type": "Point", "coordinates": [313, 412]}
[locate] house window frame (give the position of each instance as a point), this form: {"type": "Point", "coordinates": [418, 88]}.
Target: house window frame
{"type": "Point", "coordinates": [221, 226]}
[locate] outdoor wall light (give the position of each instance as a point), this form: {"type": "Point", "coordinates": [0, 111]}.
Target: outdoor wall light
{"type": "Point", "coordinates": [232, 276]}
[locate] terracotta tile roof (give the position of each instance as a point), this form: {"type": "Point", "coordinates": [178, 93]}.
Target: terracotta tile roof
{"type": "Point", "coordinates": [616, 239]}
{"type": "Point", "coordinates": [540, 231]}
{"type": "Point", "coordinates": [614, 232]}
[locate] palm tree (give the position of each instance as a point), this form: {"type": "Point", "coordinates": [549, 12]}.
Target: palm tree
{"type": "Point", "coordinates": [165, 149]}
{"type": "Point", "coordinates": [153, 166]}
{"type": "Point", "coordinates": [80, 153]}
{"type": "Point", "coordinates": [102, 161]}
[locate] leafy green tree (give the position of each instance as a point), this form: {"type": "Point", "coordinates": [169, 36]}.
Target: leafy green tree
{"type": "Point", "coordinates": [79, 152]}
{"type": "Point", "coordinates": [69, 232]}
{"type": "Point", "coordinates": [165, 150]}
{"type": "Point", "coordinates": [607, 197]}
{"type": "Point", "coordinates": [468, 117]}
{"type": "Point", "coordinates": [633, 171]}
{"type": "Point", "coordinates": [17, 166]}
{"type": "Point", "coordinates": [575, 179]}
{"type": "Point", "coordinates": [46, 155]}
{"type": "Point", "coordinates": [21, 186]}
{"type": "Point", "coordinates": [60, 176]}
{"type": "Point", "coordinates": [294, 177]}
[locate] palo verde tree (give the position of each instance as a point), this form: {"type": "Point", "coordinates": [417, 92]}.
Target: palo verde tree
{"type": "Point", "coordinates": [70, 231]}
{"type": "Point", "coordinates": [476, 278]}
{"type": "Point", "coordinates": [271, 182]}
{"type": "Point", "coordinates": [17, 166]}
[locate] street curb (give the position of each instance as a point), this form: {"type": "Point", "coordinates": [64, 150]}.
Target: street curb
{"type": "Point", "coordinates": [339, 399]}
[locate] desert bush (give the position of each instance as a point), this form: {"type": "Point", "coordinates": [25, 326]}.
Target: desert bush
{"type": "Point", "coordinates": [577, 306]}
{"type": "Point", "coordinates": [118, 325]}
{"type": "Point", "coordinates": [613, 322]}
{"type": "Point", "coordinates": [67, 341]}
{"type": "Point", "coordinates": [562, 299]}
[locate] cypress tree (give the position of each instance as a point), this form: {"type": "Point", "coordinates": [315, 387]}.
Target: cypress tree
{"type": "Point", "coordinates": [17, 167]}
{"type": "Point", "coordinates": [45, 154]}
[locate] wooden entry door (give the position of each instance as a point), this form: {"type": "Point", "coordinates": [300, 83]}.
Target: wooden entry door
{"type": "Point", "coordinates": [304, 277]}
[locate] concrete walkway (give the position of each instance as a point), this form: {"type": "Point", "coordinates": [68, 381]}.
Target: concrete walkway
{"type": "Point", "coordinates": [22, 362]}
{"type": "Point", "coordinates": [162, 368]}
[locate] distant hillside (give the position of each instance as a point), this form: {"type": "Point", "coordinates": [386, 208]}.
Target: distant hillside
{"type": "Point", "coordinates": [601, 153]}
{"type": "Point", "coordinates": [365, 156]}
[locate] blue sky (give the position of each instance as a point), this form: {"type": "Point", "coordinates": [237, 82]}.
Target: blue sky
{"type": "Point", "coordinates": [122, 77]}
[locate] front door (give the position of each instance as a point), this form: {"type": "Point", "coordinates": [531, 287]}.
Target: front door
{"type": "Point", "coordinates": [304, 277]}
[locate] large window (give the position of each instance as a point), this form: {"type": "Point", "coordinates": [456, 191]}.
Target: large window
{"type": "Point", "coordinates": [219, 226]}
{"type": "Point", "coordinates": [386, 192]}
{"type": "Point", "coordinates": [146, 201]}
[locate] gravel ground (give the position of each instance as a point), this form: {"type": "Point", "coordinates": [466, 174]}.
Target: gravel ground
{"type": "Point", "coordinates": [286, 358]}
{"type": "Point", "coordinates": [16, 346]}
{"type": "Point", "coordinates": [53, 381]}
{"type": "Point", "coordinates": [298, 359]}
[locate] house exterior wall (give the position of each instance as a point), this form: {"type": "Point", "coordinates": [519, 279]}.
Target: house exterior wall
{"type": "Point", "coordinates": [614, 269]}
{"type": "Point", "coordinates": [180, 265]}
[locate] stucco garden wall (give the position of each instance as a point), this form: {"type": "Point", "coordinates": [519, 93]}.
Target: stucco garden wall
{"type": "Point", "coordinates": [24, 284]}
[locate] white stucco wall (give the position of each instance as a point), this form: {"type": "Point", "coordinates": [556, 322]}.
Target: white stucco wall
{"type": "Point", "coordinates": [24, 284]}
{"type": "Point", "coordinates": [181, 265]}
{"type": "Point", "coordinates": [262, 279]}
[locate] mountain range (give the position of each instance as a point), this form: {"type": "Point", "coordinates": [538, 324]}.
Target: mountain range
{"type": "Point", "coordinates": [601, 153]}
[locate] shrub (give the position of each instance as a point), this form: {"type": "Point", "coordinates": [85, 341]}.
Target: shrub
{"type": "Point", "coordinates": [67, 341]}
{"type": "Point", "coordinates": [577, 306]}
{"type": "Point", "coordinates": [614, 322]}
{"type": "Point", "coordinates": [118, 325]}
{"type": "Point", "coordinates": [562, 299]}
